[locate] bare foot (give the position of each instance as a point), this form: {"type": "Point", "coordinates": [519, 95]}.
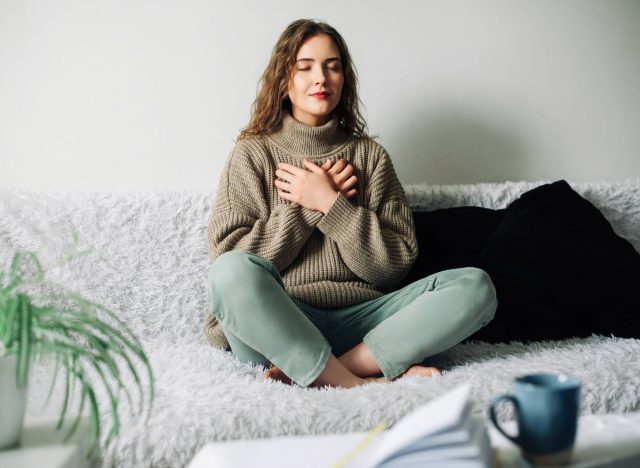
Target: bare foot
{"type": "Point", "coordinates": [411, 371]}
{"type": "Point", "coordinates": [360, 381]}
{"type": "Point", "coordinates": [275, 373]}
{"type": "Point", "coordinates": [423, 371]}
{"type": "Point", "coordinates": [376, 380]}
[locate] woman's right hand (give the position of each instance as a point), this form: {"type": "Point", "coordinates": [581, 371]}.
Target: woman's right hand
{"type": "Point", "coordinates": [341, 174]}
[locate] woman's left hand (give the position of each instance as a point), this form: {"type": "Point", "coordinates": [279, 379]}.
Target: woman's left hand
{"type": "Point", "coordinates": [341, 174]}
{"type": "Point", "coordinates": [312, 188]}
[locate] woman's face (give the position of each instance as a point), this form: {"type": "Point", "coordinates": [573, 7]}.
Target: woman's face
{"type": "Point", "coordinates": [315, 84]}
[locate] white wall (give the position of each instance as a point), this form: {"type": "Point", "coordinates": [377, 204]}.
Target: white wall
{"type": "Point", "coordinates": [148, 94]}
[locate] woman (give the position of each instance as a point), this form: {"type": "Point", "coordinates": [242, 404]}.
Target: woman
{"type": "Point", "coordinates": [311, 230]}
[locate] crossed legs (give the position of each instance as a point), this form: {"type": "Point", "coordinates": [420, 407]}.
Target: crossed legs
{"type": "Point", "coordinates": [356, 367]}
{"type": "Point", "coordinates": [399, 329]}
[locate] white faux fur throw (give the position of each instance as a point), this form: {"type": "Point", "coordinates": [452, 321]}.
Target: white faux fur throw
{"type": "Point", "coordinates": [150, 266]}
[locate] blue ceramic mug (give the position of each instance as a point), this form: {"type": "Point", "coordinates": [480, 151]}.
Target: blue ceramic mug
{"type": "Point", "coordinates": [546, 408]}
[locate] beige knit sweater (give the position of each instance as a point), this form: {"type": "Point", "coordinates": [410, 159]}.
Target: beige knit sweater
{"type": "Point", "coordinates": [358, 251]}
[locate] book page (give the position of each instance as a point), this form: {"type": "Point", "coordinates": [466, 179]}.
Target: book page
{"type": "Point", "coordinates": [440, 415]}
{"type": "Point", "coordinates": [459, 435]}
{"type": "Point", "coordinates": [473, 451]}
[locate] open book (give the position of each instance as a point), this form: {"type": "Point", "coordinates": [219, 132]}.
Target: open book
{"type": "Point", "coordinates": [441, 433]}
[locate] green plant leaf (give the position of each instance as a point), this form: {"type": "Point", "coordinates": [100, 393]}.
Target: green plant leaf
{"type": "Point", "coordinates": [15, 276]}
{"type": "Point", "coordinates": [25, 345]}
{"type": "Point", "coordinates": [69, 327]}
{"type": "Point", "coordinates": [68, 389]}
{"type": "Point", "coordinates": [53, 380]}
{"type": "Point", "coordinates": [9, 333]}
{"type": "Point", "coordinates": [115, 425]}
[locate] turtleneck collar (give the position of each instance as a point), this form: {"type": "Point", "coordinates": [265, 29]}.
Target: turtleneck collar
{"type": "Point", "coordinates": [303, 140]}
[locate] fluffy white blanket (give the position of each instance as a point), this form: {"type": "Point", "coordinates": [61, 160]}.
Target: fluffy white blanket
{"type": "Point", "coordinates": [150, 266]}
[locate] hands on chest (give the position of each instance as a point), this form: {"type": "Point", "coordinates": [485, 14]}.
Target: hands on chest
{"type": "Point", "coordinates": [316, 187]}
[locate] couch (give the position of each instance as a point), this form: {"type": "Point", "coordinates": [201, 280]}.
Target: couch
{"type": "Point", "coordinates": [149, 264]}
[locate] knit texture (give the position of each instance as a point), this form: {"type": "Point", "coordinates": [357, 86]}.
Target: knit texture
{"type": "Point", "coordinates": [358, 251]}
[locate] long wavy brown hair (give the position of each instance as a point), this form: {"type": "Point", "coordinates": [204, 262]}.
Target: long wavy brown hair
{"type": "Point", "coordinates": [272, 97]}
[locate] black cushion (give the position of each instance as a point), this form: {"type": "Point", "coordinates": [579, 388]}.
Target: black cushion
{"type": "Point", "coordinates": [559, 268]}
{"type": "Point", "coordinates": [451, 238]}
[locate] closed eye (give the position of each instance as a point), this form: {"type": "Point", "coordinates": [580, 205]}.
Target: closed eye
{"type": "Point", "coordinates": [329, 68]}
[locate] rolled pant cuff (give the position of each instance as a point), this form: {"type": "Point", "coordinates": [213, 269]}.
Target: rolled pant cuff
{"type": "Point", "coordinates": [389, 371]}
{"type": "Point", "coordinates": [317, 369]}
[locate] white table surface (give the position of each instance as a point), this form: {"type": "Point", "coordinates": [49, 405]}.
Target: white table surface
{"type": "Point", "coordinates": [41, 445]}
{"type": "Point", "coordinates": [610, 440]}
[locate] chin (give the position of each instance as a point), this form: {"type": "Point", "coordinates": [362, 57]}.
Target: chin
{"type": "Point", "coordinates": [321, 111]}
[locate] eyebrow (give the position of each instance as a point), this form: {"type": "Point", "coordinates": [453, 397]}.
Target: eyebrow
{"type": "Point", "coordinates": [330, 59]}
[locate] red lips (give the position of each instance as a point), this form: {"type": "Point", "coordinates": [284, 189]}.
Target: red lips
{"type": "Point", "coordinates": [321, 95]}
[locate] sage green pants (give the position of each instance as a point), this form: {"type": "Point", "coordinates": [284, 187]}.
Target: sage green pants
{"type": "Point", "coordinates": [265, 325]}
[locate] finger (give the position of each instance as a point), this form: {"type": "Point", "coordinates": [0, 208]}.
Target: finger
{"type": "Point", "coordinates": [283, 185]}
{"type": "Point", "coordinates": [337, 167]}
{"type": "Point", "coordinates": [344, 174]}
{"type": "Point", "coordinates": [313, 167]}
{"type": "Point", "coordinates": [291, 168]}
{"type": "Point", "coordinates": [327, 165]}
{"type": "Point", "coordinates": [350, 194]}
{"type": "Point", "coordinates": [349, 183]}
{"type": "Point", "coordinates": [285, 175]}
{"type": "Point", "coordinates": [285, 195]}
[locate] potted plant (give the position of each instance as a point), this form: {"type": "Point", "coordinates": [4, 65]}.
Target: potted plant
{"type": "Point", "coordinates": [40, 319]}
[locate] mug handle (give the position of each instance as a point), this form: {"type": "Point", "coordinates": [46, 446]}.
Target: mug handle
{"type": "Point", "coordinates": [492, 413]}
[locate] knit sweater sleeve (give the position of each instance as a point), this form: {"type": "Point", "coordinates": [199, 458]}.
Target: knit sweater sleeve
{"type": "Point", "coordinates": [243, 220]}
{"type": "Point", "coordinates": [377, 241]}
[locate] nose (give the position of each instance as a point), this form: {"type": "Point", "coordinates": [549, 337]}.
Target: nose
{"type": "Point", "coordinates": [319, 76]}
